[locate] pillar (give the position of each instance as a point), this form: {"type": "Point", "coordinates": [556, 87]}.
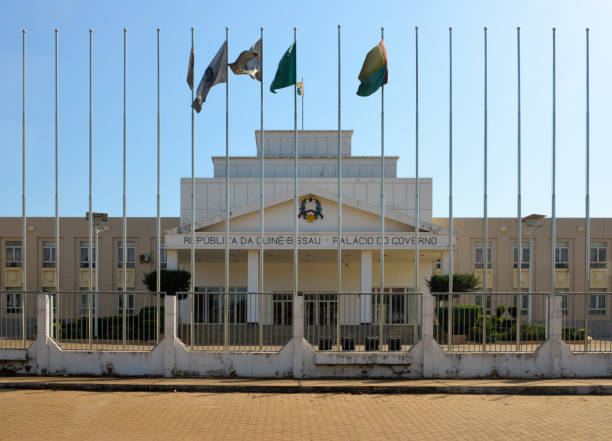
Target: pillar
{"type": "Point", "coordinates": [366, 287]}
{"type": "Point", "coordinates": [172, 259]}
{"type": "Point", "coordinates": [253, 286]}
{"type": "Point", "coordinates": [42, 330]}
{"type": "Point", "coordinates": [169, 335]}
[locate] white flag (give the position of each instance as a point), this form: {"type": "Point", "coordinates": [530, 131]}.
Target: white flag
{"type": "Point", "coordinates": [215, 73]}
{"type": "Point", "coordinates": [249, 62]}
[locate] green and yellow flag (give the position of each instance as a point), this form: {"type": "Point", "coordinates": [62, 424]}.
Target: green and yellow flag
{"type": "Point", "coordinates": [286, 71]}
{"type": "Point", "coordinates": [374, 71]}
{"type": "Point", "coordinates": [300, 88]}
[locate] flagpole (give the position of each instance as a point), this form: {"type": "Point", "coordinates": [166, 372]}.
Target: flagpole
{"type": "Point", "coordinates": [90, 224]}
{"type": "Point", "coordinates": [554, 171]}
{"type": "Point", "coordinates": [261, 199]}
{"type": "Point", "coordinates": [485, 267]}
{"type": "Point", "coordinates": [23, 187]}
{"type": "Point", "coordinates": [450, 188]}
{"type": "Point", "coordinates": [587, 199]}
{"type": "Point", "coordinates": [295, 182]}
{"type": "Point", "coordinates": [416, 162]}
{"type": "Point", "coordinates": [518, 198]}
{"type": "Point", "coordinates": [382, 204]}
{"type": "Point", "coordinates": [124, 233]}
{"type": "Point", "coordinates": [193, 273]}
{"type": "Point", "coordinates": [339, 259]}
{"type": "Point", "coordinates": [158, 250]}
{"type": "Point", "coordinates": [57, 224]}
{"type": "Point", "coordinates": [227, 204]}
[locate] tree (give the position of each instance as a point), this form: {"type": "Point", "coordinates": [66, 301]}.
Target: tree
{"type": "Point", "coordinates": [461, 283]}
{"type": "Point", "coordinates": [172, 281]}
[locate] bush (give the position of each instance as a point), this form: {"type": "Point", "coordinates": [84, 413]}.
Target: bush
{"type": "Point", "coordinates": [570, 333]}
{"type": "Point", "coordinates": [533, 332]}
{"type": "Point", "coordinates": [464, 318]}
{"type": "Point", "coordinates": [512, 311]}
{"type": "Point", "coordinates": [172, 281]}
{"type": "Point", "coordinates": [461, 283]}
{"type": "Point", "coordinates": [499, 310]}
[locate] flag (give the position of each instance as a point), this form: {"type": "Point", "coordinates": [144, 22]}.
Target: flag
{"type": "Point", "coordinates": [190, 70]}
{"type": "Point", "coordinates": [249, 62]}
{"type": "Point", "coordinates": [374, 71]}
{"type": "Point", "coordinates": [286, 71]}
{"type": "Point", "coordinates": [300, 88]}
{"type": "Point", "coordinates": [215, 73]}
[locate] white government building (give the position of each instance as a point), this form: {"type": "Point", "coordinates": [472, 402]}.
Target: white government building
{"type": "Point", "coordinates": [318, 233]}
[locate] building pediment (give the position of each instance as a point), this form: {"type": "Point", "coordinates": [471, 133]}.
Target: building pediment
{"type": "Point", "coordinates": [357, 216]}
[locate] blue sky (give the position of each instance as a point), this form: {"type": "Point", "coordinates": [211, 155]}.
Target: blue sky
{"type": "Point", "coordinates": [317, 62]}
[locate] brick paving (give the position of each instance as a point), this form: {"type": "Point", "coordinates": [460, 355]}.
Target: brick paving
{"type": "Point", "coordinates": [30, 414]}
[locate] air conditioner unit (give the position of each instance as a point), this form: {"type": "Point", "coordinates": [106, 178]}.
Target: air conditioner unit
{"type": "Point", "coordinates": [145, 258]}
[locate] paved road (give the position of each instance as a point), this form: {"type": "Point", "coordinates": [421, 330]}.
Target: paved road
{"type": "Point", "coordinates": [31, 415]}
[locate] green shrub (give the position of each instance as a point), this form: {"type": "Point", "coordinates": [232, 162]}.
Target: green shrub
{"type": "Point", "coordinates": [512, 311]}
{"type": "Point", "coordinates": [533, 332]}
{"type": "Point", "coordinates": [461, 283]}
{"type": "Point", "coordinates": [475, 334]}
{"type": "Point", "coordinates": [499, 310]}
{"type": "Point", "coordinates": [464, 318]}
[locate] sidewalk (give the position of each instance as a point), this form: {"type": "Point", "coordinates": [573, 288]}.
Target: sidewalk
{"type": "Point", "coordinates": [600, 386]}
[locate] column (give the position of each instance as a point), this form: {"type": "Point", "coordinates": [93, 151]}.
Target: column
{"type": "Point", "coordinates": [366, 287]}
{"type": "Point", "coordinates": [169, 334]}
{"type": "Point", "coordinates": [172, 259]}
{"type": "Point", "coordinates": [252, 286]}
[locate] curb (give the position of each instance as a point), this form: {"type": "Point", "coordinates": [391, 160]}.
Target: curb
{"type": "Point", "coordinates": [289, 389]}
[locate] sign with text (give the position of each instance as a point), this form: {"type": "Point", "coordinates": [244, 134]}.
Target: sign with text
{"type": "Point", "coordinates": [312, 241]}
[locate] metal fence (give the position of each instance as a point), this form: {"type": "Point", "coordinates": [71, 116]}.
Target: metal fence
{"type": "Point", "coordinates": [18, 310]}
{"type": "Point", "coordinates": [106, 320]}
{"type": "Point", "coordinates": [587, 321]}
{"type": "Point", "coordinates": [491, 322]}
{"type": "Point", "coordinates": [234, 321]}
{"type": "Point", "coordinates": [362, 321]}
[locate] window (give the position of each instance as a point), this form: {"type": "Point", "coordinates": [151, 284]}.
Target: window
{"type": "Point", "coordinates": [524, 301]}
{"type": "Point", "coordinates": [564, 301]}
{"type": "Point", "coordinates": [84, 246]}
{"type": "Point", "coordinates": [163, 255]}
{"type": "Point", "coordinates": [209, 304]}
{"type": "Point", "coordinates": [562, 255]}
{"type": "Point", "coordinates": [525, 255]}
{"type": "Point", "coordinates": [321, 309]}
{"type": "Point", "coordinates": [130, 304]}
{"type": "Point", "coordinates": [13, 303]}
{"type": "Point", "coordinates": [282, 305]}
{"type": "Point", "coordinates": [479, 255]}
{"type": "Point", "coordinates": [85, 303]}
{"type": "Point", "coordinates": [13, 254]}
{"type": "Point", "coordinates": [130, 255]}
{"type": "Point", "coordinates": [598, 304]}
{"type": "Point", "coordinates": [48, 255]}
{"type": "Point", "coordinates": [598, 255]}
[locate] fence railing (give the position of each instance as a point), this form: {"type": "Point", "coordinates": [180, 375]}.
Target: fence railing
{"type": "Point", "coordinates": [18, 310]}
{"type": "Point", "coordinates": [587, 321]}
{"type": "Point", "coordinates": [106, 320]}
{"type": "Point", "coordinates": [491, 321]}
{"type": "Point", "coordinates": [363, 322]}
{"type": "Point", "coordinates": [234, 321]}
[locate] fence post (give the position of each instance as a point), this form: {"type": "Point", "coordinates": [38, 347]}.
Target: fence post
{"type": "Point", "coordinates": [169, 334]}
{"type": "Point", "coordinates": [427, 318]}
{"type": "Point", "coordinates": [554, 336]}
{"type": "Point", "coordinates": [42, 332]}
{"type": "Point", "coordinates": [298, 335]}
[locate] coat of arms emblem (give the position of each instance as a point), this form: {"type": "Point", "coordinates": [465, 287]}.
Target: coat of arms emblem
{"type": "Point", "coordinates": [310, 209]}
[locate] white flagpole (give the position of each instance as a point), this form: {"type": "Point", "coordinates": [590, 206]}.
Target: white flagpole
{"type": "Point", "coordinates": [518, 198]}
{"type": "Point", "coordinates": [124, 233]}
{"type": "Point", "coordinates": [261, 199]}
{"type": "Point", "coordinates": [57, 224]}
{"type": "Point", "coordinates": [382, 205]}
{"type": "Point", "coordinates": [450, 188]}
{"type": "Point", "coordinates": [295, 182]}
{"type": "Point", "coordinates": [23, 189]}
{"type": "Point", "coordinates": [417, 206]}
{"type": "Point", "coordinates": [90, 225]}
{"type": "Point", "coordinates": [158, 223]}
{"type": "Point", "coordinates": [485, 245]}
{"type": "Point", "coordinates": [554, 172]}
{"type": "Point", "coordinates": [587, 200]}
{"type": "Point", "coordinates": [339, 258]}
{"type": "Point", "coordinates": [227, 203]}
{"type": "Point", "coordinates": [193, 273]}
